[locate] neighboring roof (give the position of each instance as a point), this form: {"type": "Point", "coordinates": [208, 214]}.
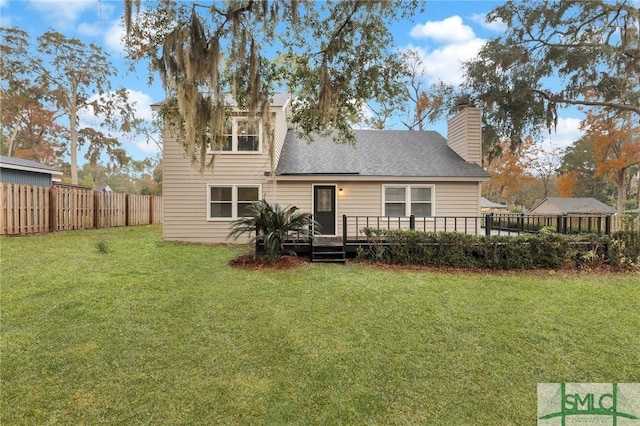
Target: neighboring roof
{"type": "Point", "coordinates": [26, 165]}
{"type": "Point", "coordinates": [486, 204]}
{"type": "Point", "coordinates": [376, 153]}
{"type": "Point", "coordinates": [102, 188]}
{"type": "Point", "coordinates": [577, 205]}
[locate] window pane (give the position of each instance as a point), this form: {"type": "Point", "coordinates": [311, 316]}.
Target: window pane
{"type": "Point", "coordinates": [324, 202]}
{"type": "Point", "coordinates": [228, 140]}
{"type": "Point", "coordinates": [243, 210]}
{"type": "Point", "coordinates": [220, 193]}
{"type": "Point", "coordinates": [394, 209]}
{"type": "Point", "coordinates": [420, 194]}
{"type": "Point", "coordinates": [246, 127]}
{"type": "Point", "coordinates": [394, 194]}
{"type": "Point", "coordinates": [247, 193]}
{"type": "Point", "coordinates": [227, 146]}
{"type": "Point", "coordinates": [248, 143]}
{"type": "Point", "coordinates": [220, 209]}
{"type": "Point", "coordinates": [421, 209]}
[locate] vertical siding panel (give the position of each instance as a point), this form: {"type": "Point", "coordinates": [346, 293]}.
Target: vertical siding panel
{"type": "Point", "coordinates": [29, 193]}
{"type": "Point", "coordinates": [4, 204]}
{"type": "Point", "coordinates": [11, 203]}
{"type": "Point", "coordinates": [22, 221]}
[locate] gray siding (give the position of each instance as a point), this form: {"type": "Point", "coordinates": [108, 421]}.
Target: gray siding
{"type": "Point", "coordinates": [24, 177]}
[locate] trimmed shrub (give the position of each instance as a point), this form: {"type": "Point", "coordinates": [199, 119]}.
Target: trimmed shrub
{"type": "Point", "coordinates": [546, 249]}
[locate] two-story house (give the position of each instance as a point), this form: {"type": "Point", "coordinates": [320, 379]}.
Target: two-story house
{"type": "Point", "coordinates": [388, 173]}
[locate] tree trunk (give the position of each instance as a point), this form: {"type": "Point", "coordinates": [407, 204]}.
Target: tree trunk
{"type": "Point", "coordinates": [11, 140]}
{"type": "Point", "coordinates": [620, 183]}
{"type": "Point", "coordinates": [73, 136]}
{"type": "Point", "coordinates": [638, 188]}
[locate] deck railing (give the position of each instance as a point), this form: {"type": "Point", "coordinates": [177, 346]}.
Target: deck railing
{"type": "Point", "coordinates": [489, 224]}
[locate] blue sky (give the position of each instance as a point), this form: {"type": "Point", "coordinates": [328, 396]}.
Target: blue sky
{"type": "Point", "coordinates": [445, 34]}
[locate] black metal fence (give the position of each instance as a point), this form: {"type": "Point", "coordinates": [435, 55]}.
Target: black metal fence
{"type": "Point", "coordinates": [489, 224]}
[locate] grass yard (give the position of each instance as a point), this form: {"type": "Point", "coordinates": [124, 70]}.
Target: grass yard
{"type": "Point", "coordinates": [154, 332]}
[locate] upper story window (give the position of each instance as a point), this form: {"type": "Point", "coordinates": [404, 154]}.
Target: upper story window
{"type": "Point", "coordinates": [243, 135]}
{"type": "Point", "coordinates": [407, 200]}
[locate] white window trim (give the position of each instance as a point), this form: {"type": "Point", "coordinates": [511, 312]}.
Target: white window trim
{"type": "Point", "coordinates": [407, 200]}
{"type": "Point", "coordinates": [234, 199]}
{"type": "Point", "coordinates": [234, 139]}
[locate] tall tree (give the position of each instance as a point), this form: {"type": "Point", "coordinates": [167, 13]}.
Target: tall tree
{"type": "Point", "coordinates": [508, 174]}
{"type": "Point", "coordinates": [578, 172]}
{"type": "Point", "coordinates": [556, 54]}
{"type": "Point", "coordinates": [545, 162]}
{"type": "Point", "coordinates": [616, 147]}
{"type": "Point", "coordinates": [73, 77]}
{"type": "Point", "coordinates": [332, 56]}
{"type": "Point", "coordinates": [27, 127]}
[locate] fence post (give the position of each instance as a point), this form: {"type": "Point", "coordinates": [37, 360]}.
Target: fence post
{"type": "Point", "coordinates": [126, 210]}
{"type": "Point", "coordinates": [53, 208]}
{"type": "Point", "coordinates": [412, 222]}
{"type": "Point", "coordinates": [488, 224]}
{"type": "Point", "coordinates": [344, 229]}
{"type": "Point", "coordinates": [97, 208]}
{"type": "Point", "coordinates": [151, 210]}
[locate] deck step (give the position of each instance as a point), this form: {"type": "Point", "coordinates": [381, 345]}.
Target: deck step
{"type": "Point", "coordinates": [337, 256]}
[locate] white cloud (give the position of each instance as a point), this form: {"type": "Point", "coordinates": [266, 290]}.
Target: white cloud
{"type": "Point", "coordinates": [63, 15]}
{"type": "Point", "coordinates": [5, 21]}
{"type": "Point", "coordinates": [449, 30]}
{"type": "Point", "coordinates": [90, 30]}
{"type": "Point", "coordinates": [450, 43]}
{"type": "Point", "coordinates": [113, 37]}
{"type": "Point", "coordinates": [497, 26]}
{"type": "Point", "coordinates": [567, 132]}
{"type": "Point", "coordinates": [142, 104]}
{"type": "Point", "coordinates": [445, 63]}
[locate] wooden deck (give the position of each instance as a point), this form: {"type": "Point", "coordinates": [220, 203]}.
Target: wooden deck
{"type": "Point", "coordinates": [337, 249]}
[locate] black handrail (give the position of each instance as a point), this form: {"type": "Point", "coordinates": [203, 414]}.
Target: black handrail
{"type": "Point", "coordinates": [488, 224]}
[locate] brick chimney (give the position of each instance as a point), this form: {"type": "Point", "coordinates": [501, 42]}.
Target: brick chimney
{"type": "Point", "coordinates": [464, 134]}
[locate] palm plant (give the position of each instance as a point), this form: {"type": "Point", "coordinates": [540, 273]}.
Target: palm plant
{"type": "Point", "coordinates": [273, 224]}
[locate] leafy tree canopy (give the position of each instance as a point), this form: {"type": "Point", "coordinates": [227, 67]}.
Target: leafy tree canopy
{"type": "Point", "coordinates": [578, 172]}
{"type": "Point", "coordinates": [59, 77]}
{"type": "Point", "coordinates": [556, 54]}
{"type": "Point", "coordinates": [332, 56]}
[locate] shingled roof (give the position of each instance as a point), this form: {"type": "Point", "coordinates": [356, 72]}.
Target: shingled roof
{"type": "Point", "coordinates": [586, 205]}
{"type": "Point", "coordinates": [376, 153]}
{"type": "Point", "coordinates": [27, 165]}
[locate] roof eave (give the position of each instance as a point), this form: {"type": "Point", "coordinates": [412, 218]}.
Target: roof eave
{"type": "Point", "coordinates": [357, 177]}
{"type": "Point", "coordinates": [32, 169]}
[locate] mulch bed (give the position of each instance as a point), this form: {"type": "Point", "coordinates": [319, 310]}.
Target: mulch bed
{"type": "Point", "coordinates": [248, 261]}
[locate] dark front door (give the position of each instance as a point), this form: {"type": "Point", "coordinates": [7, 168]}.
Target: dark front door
{"type": "Point", "coordinates": [324, 208]}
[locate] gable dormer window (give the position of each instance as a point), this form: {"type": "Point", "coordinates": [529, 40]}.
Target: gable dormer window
{"type": "Point", "coordinates": [243, 136]}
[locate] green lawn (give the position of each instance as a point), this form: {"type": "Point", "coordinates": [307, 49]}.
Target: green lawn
{"type": "Point", "coordinates": [154, 332]}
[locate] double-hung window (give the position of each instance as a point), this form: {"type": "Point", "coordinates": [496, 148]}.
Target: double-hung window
{"type": "Point", "coordinates": [407, 200]}
{"type": "Point", "coordinates": [231, 201]}
{"type": "Point", "coordinates": [242, 135]}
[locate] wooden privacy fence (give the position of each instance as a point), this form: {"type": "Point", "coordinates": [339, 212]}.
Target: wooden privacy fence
{"type": "Point", "coordinates": [27, 209]}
